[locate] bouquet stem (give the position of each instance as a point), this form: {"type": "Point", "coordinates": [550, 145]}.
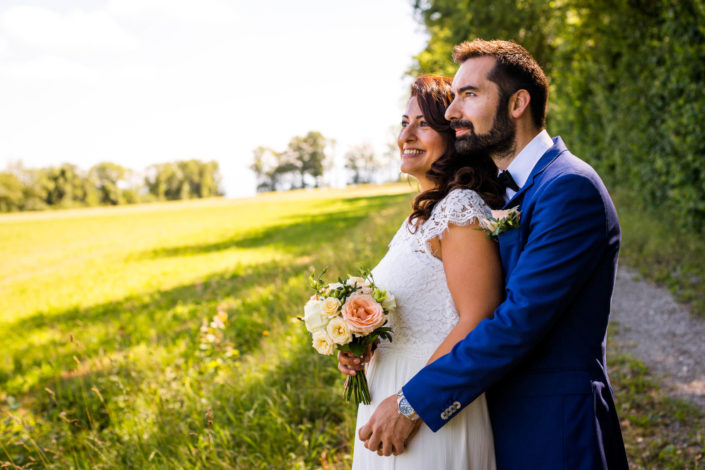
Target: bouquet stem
{"type": "Point", "coordinates": [357, 390]}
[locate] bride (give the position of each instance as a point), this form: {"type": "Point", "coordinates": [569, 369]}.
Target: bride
{"type": "Point", "coordinates": [446, 277]}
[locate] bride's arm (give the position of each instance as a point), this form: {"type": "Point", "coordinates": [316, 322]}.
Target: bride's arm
{"type": "Point", "coordinates": [474, 275]}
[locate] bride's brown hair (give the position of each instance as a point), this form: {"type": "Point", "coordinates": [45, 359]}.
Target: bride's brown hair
{"type": "Point", "coordinates": [451, 171]}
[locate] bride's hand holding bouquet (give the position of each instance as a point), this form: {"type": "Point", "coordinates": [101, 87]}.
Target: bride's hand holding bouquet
{"type": "Point", "coordinates": [349, 316]}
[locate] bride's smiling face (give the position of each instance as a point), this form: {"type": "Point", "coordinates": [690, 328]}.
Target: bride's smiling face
{"type": "Point", "coordinates": [418, 143]}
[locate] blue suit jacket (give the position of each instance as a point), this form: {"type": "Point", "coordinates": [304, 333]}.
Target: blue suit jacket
{"type": "Point", "coordinates": [541, 357]}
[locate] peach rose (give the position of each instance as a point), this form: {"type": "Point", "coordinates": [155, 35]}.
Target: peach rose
{"type": "Point", "coordinates": [363, 314]}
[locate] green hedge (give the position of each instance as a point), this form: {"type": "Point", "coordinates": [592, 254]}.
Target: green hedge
{"type": "Point", "coordinates": [627, 81]}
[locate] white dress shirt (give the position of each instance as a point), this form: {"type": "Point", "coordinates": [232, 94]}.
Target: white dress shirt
{"type": "Point", "coordinates": [520, 168]}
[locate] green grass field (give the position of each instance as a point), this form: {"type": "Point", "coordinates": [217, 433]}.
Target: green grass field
{"type": "Point", "coordinates": [104, 364]}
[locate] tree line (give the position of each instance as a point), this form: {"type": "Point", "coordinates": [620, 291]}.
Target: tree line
{"type": "Point", "coordinates": [307, 158]}
{"type": "Point", "coordinates": [107, 183]}
{"type": "Point", "coordinates": [626, 84]}
{"type": "Point", "coordinates": [300, 165]}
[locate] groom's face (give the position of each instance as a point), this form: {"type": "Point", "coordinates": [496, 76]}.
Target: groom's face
{"type": "Point", "coordinates": [479, 111]}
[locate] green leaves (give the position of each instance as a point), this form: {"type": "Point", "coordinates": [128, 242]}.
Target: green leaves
{"type": "Point", "coordinates": [317, 282]}
{"type": "Point", "coordinates": [626, 84]}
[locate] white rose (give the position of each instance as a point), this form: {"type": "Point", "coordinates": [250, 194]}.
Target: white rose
{"type": "Point", "coordinates": [488, 224]}
{"type": "Point", "coordinates": [357, 281]}
{"type": "Point", "coordinates": [390, 303]}
{"type": "Point", "coordinates": [314, 316]}
{"type": "Point", "coordinates": [331, 306]}
{"type": "Point", "coordinates": [323, 343]}
{"type": "Point", "coordinates": [339, 331]}
{"type": "Point", "coordinates": [501, 214]}
{"type": "Point", "coordinates": [333, 286]}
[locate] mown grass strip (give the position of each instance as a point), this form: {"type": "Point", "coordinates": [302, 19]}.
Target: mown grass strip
{"type": "Point", "coordinates": [659, 431]}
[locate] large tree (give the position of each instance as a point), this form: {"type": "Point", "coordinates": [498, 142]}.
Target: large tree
{"type": "Point", "coordinates": [269, 167]}
{"type": "Point", "coordinates": [11, 193]}
{"type": "Point", "coordinates": [362, 163]}
{"type": "Point", "coordinates": [184, 179]}
{"type": "Point", "coordinates": [308, 153]}
{"type": "Point", "coordinates": [449, 22]}
{"type": "Point", "coordinates": [109, 177]}
{"type": "Point", "coordinates": [626, 83]}
{"type": "Point", "coordinates": [305, 159]}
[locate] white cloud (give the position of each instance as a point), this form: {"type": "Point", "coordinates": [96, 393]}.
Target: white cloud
{"type": "Point", "coordinates": [76, 30]}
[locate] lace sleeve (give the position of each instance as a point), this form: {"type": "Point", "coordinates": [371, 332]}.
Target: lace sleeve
{"type": "Point", "coordinates": [459, 207]}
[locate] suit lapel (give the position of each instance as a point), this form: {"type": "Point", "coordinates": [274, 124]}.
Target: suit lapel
{"type": "Point", "coordinates": [545, 160]}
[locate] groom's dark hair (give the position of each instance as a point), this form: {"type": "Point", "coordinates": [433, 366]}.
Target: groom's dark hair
{"type": "Point", "coordinates": [515, 69]}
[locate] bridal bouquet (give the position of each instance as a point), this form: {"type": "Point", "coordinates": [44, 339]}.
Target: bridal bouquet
{"type": "Point", "coordinates": [348, 316]}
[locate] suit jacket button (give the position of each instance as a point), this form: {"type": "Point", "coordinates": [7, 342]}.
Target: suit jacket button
{"type": "Point", "coordinates": [456, 405]}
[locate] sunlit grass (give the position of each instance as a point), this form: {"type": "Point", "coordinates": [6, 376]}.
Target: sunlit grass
{"type": "Point", "coordinates": [104, 364]}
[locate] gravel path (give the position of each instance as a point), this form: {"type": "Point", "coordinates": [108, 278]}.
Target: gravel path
{"type": "Point", "coordinates": [662, 334]}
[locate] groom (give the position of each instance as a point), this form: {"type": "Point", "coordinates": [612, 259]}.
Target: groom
{"type": "Point", "coordinates": [541, 357]}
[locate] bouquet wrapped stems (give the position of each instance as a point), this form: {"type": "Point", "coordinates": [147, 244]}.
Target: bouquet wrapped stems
{"type": "Point", "coordinates": [356, 389]}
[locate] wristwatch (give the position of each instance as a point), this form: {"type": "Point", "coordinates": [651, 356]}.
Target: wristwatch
{"type": "Point", "coordinates": [405, 408]}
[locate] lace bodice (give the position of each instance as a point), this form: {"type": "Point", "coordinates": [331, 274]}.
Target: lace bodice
{"type": "Point", "coordinates": [425, 312]}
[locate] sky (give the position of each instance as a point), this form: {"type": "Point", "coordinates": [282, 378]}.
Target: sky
{"type": "Point", "coordinates": [138, 82]}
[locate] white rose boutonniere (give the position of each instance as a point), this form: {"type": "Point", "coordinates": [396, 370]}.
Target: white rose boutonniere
{"type": "Point", "coordinates": [500, 222]}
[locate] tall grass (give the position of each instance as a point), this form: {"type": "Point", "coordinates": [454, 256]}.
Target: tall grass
{"type": "Point", "coordinates": [107, 362]}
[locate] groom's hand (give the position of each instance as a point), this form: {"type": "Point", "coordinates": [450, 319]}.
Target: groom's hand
{"type": "Point", "coordinates": [387, 431]}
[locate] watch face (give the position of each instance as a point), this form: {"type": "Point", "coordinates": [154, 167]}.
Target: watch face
{"type": "Point", "coordinates": [405, 408]}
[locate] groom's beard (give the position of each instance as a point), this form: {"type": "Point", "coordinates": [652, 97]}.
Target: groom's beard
{"type": "Point", "coordinates": [498, 141]}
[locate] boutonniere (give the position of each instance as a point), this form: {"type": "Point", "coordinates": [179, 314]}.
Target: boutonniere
{"type": "Point", "coordinates": [500, 222]}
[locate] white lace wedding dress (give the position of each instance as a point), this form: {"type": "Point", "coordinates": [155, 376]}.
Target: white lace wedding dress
{"type": "Point", "coordinates": [424, 317]}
